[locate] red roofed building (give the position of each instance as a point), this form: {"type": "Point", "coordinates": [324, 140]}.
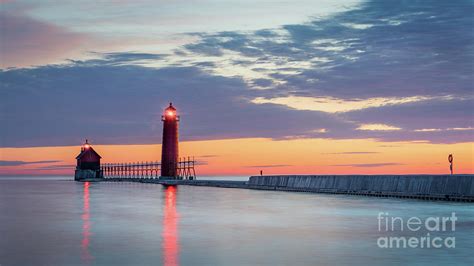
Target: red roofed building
{"type": "Point", "coordinates": [88, 158]}
{"type": "Point", "coordinates": [88, 163]}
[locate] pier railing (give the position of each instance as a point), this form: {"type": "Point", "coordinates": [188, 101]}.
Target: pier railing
{"type": "Point", "coordinates": [184, 169]}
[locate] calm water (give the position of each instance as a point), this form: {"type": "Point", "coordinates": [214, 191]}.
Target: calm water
{"type": "Point", "coordinates": [62, 222]}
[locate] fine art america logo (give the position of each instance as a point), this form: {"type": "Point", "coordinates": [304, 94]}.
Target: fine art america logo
{"type": "Point", "coordinates": [416, 232]}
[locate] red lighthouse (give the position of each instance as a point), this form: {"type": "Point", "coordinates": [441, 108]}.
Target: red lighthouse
{"type": "Point", "coordinates": [169, 149]}
{"type": "Point", "coordinates": [88, 163]}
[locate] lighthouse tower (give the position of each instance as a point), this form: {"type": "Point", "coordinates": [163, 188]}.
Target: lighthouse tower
{"type": "Point", "coordinates": [169, 149]}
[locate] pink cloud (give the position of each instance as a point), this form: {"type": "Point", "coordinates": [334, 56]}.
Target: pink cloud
{"type": "Point", "coordinates": [26, 41]}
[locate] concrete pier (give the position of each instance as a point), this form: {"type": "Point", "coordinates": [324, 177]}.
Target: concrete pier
{"type": "Point", "coordinates": [424, 187]}
{"type": "Point", "coordinates": [428, 187]}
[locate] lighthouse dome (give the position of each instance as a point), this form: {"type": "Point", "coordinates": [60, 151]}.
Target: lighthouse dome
{"type": "Point", "coordinates": [170, 108]}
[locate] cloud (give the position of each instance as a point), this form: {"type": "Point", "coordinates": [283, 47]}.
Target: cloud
{"type": "Point", "coordinates": [410, 70]}
{"type": "Point", "coordinates": [335, 105]}
{"type": "Point", "coordinates": [120, 59]}
{"type": "Point", "coordinates": [18, 163]}
{"type": "Point", "coordinates": [446, 129]}
{"type": "Point", "coordinates": [377, 127]}
{"type": "Point", "coordinates": [435, 114]}
{"type": "Point", "coordinates": [122, 104]}
{"type": "Point", "coordinates": [27, 41]}
{"type": "Point", "coordinates": [427, 130]}
{"type": "Point", "coordinates": [358, 26]}
{"type": "Point", "coordinates": [208, 156]}
{"type": "Point", "coordinates": [460, 128]}
{"type": "Point", "coordinates": [69, 28]}
{"type": "Point", "coordinates": [55, 167]}
{"type": "Point", "coordinates": [320, 130]}
{"type": "Point", "coordinates": [382, 49]}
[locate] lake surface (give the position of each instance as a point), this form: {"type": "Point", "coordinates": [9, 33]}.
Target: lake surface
{"type": "Point", "coordinates": [56, 221]}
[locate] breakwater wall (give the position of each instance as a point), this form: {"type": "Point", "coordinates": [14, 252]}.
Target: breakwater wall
{"type": "Point", "coordinates": [429, 187]}
{"type": "Point", "coordinates": [425, 187]}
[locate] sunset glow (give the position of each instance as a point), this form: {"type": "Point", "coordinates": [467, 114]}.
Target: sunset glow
{"type": "Point", "coordinates": [234, 157]}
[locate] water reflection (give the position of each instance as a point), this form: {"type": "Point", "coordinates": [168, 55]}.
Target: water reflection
{"type": "Point", "coordinates": [170, 228]}
{"type": "Point", "coordinates": [86, 256]}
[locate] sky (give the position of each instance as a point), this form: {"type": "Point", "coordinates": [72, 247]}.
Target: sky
{"type": "Point", "coordinates": [292, 87]}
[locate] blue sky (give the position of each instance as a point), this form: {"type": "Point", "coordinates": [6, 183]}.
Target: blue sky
{"type": "Point", "coordinates": [388, 70]}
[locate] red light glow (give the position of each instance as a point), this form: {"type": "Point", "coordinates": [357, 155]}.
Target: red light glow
{"type": "Point", "coordinates": [170, 229]}
{"type": "Point", "coordinates": [170, 113]}
{"type": "Point", "coordinates": [86, 256]}
{"type": "Point", "coordinates": [86, 146]}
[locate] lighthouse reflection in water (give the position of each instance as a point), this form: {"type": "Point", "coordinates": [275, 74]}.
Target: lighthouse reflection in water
{"type": "Point", "coordinates": [86, 256]}
{"type": "Point", "coordinates": [47, 221]}
{"type": "Point", "coordinates": [170, 228]}
{"type": "Point", "coordinates": [170, 243]}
